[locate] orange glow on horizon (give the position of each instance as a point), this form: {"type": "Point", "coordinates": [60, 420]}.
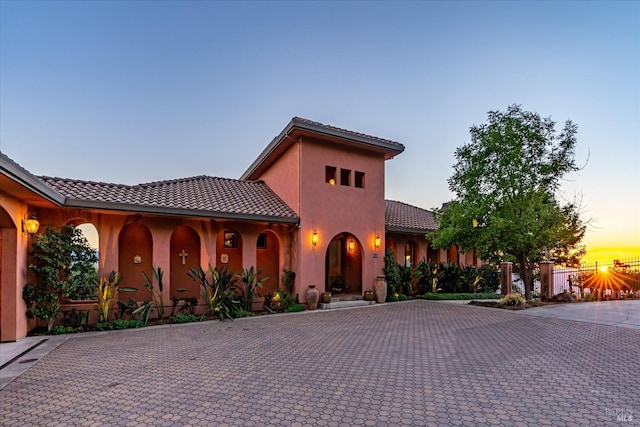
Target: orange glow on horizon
{"type": "Point", "coordinates": [608, 254]}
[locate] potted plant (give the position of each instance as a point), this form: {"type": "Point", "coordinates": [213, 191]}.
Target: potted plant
{"type": "Point", "coordinates": [326, 297]}
{"type": "Point", "coordinates": [368, 295]}
{"type": "Point", "coordinates": [337, 284]}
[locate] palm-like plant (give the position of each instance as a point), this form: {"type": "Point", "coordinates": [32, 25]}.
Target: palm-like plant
{"type": "Point", "coordinates": [251, 281]}
{"type": "Point", "coordinates": [219, 292]}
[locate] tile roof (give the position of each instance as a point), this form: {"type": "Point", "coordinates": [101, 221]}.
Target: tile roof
{"type": "Point", "coordinates": [302, 120]}
{"type": "Point", "coordinates": [204, 194]}
{"type": "Point", "coordinates": [399, 216]}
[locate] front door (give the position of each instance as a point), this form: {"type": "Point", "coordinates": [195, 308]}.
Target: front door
{"type": "Point", "coordinates": [344, 265]}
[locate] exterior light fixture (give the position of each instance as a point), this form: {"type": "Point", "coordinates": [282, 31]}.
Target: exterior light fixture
{"type": "Point", "coordinates": [332, 181]}
{"type": "Point", "coordinates": [376, 241]}
{"type": "Point", "coordinates": [314, 238]}
{"type": "Point", "coordinates": [30, 223]}
{"type": "Point", "coordinates": [474, 222]}
{"type": "Point", "coordinates": [351, 244]}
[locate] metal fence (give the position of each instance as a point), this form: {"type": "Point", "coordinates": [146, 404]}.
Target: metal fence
{"type": "Point", "coordinates": [615, 279]}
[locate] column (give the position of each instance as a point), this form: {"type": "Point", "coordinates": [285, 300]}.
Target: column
{"type": "Point", "coordinates": [506, 269]}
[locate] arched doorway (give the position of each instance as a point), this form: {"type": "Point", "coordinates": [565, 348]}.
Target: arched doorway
{"type": "Point", "coordinates": [135, 256]}
{"type": "Point", "coordinates": [185, 254]}
{"type": "Point", "coordinates": [343, 264]}
{"type": "Point", "coordinates": [268, 259]}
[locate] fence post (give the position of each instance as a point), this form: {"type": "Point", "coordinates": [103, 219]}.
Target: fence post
{"type": "Point", "coordinates": [506, 269]}
{"type": "Point", "coordinates": [546, 279]}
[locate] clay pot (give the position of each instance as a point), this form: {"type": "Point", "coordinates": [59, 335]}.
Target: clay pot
{"type": "Point", "coordinates": [326, 297]}
{"type": "Point", "coordinates": [312, 297]}
{"type": "Point", "coordinates": [380, 287]}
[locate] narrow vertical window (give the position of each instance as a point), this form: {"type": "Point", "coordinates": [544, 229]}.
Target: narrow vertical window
{"type": "Point", "coordinates": [359, 179]}
{"type": "Point", "coordinates": [345, 177]}
{"type": "Point", "coordinates": [330, 175]}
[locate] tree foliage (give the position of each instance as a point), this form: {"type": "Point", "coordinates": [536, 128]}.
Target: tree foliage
{"type": "Point", "coordinates": [64, 262]}
{"type": "Point", "coordinates": [507, 182]}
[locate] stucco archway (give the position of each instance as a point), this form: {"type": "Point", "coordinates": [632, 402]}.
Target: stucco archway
{"type": "Point", "coordinates": [135, 255]}
{"type": "Point", "coordinates": [343, 264]}
{"type": "Point", "coordinates": [185, 254]}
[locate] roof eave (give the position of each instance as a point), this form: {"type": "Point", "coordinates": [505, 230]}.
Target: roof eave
{"type": "Point", "coordinates": [25, 178]}
{"type": "Point", "coordinates": [266, 153]}
{"type": "Point", "coordinates": [408, 230]}
{"type": "Point", "coordinates": [182, 212]}
{"type": "Point", "coordinates": [391, 150]}
{"type": "Point", "coordinates": [394, 149]}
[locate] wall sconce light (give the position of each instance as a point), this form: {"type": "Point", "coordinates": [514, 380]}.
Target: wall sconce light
{"type": "Point", "coordinates": [30, 223]}
{"type": "Point", "coordinates": [474, 222]}
{"type": "Point", "coordinates": [351, 244]}
{"type": "Point", "coordinates": [332, 181]}
{"type": "Point", "coordinates": [314, 238]}
{"type": "Point", "coordinates": [376, 241]}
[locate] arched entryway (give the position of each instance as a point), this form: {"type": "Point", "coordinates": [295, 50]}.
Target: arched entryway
{"type": "Point", "coordinates": [135, 256]}
{"type": "Point", "coordinates": [343, 264]}
{"type": "Point", "coordinates": [229, 250]}
{"type": "Point", "coordinates": [268, 259]}
{"type": "Point", "coordinates": [185, 254]}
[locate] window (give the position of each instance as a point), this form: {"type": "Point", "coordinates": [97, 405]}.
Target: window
{"type": "Point", "coordinates": [359, 179]}
{"type": "Point", "coordinates": [330, 175]}
{"type": "Point", "coordinates": [345, 177]}
{"type": "Point", "coordinates": [262, 241]}
{"type": "Point", "coordinates": [230, 239]}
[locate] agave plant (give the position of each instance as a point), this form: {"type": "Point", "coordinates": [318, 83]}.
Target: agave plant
{"type": "Point", "coordinates": [219, 292]}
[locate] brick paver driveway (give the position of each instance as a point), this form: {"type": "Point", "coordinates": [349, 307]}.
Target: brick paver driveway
{"type": "Point", "coordinates": [413, 363]}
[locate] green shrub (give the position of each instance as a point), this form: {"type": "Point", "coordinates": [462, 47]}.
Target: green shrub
{"type": "Point", "coordinates": [125, 324]}
{"type": "Point", "coordinates": [393, 297]}
{"type": "Point", "coordinates": [63, 262]}
{"type": "Point", "coordinates": [61, 330]}
{"type": "Point", "coordinates": [294, 308]}
{"type": "Point", "coordinates": [244, 313]}
{"type": "Point", "coordinates": [185, 318]}
{"type": "Point", "coordinates": [460, 296]}
{"type": "Point", "coordinates": [402, 297]}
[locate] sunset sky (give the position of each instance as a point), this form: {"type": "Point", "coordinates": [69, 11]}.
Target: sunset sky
{"type": "Point", "coordinates": [138, 91]}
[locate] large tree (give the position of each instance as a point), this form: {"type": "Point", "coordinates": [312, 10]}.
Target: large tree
{"type": "Point", "coordinates": [508, 205]}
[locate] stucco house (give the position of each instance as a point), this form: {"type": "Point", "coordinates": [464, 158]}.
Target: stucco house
{"type": "Point", "coordinates": [312, 202]}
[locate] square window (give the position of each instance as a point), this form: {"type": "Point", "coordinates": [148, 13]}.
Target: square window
{"type": "Point", "coordinates": [330, 175]}
{"type": "Point", "coordinates": [230, 239]}
{"type": "Point", "coordinates": [345, 177]}
{"type": "Point", "coordinates": [359, 179]}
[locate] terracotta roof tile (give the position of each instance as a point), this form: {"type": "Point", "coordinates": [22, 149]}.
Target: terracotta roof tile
{"type": "Point", "coordinates": [201, 193]}
{"type": "Point", "coordinates": [399, 216]}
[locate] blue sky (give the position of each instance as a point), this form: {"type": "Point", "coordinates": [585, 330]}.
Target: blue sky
{"type": "Point", "coordinates": [134, 92]}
